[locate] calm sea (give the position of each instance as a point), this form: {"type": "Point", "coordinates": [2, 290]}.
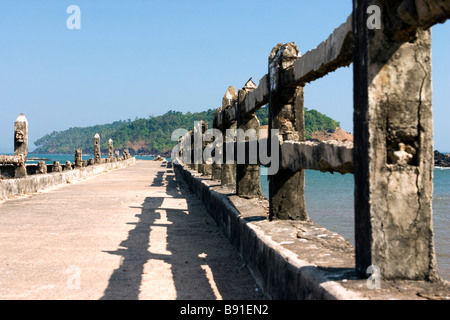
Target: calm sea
{"type": "Point", "coordinates": [329, 202]}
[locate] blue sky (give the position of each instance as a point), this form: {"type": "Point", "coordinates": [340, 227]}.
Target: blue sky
{"type": "Point", "coordinates": [137, 58]}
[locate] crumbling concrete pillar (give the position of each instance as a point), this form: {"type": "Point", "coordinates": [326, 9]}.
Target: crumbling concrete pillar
{"type": "Point", "coordinates": [177, 152]}
{"type": "Point", "coordinates": [286, 113]}
{"type": "Point", "coordinates": [42, 167]}
{"type": "Point", "coordinates": [117, 155]}
{"type": "Point", "coordinates": [247, 174]}
{"type": "Point", "coordinates": [186, 149]}
{"type": "Point", "coordinates": [21, 144]}
{"type": "Point", "coordinates": [229, 106]}
{"type": "Point", "coordinates": [56, 167]}
{"type": "Point", "coordinates": [393, 147]}
{"type": "Point", "coordinates": [126, 154]}
{"type": "Point", "coordinates": [110, 150]}
{"type": "Point", "coordinates": [78, 158]}
{"type": "Point", "coordinates": [97, 151]}
{"type": "Point", "coordinates": [68, 166]}
{"type": "Point", "coordinates": [216, 167]}
{"type": "Point", "coordinates": [196, 144]}
{"type": "Point", "coordinates": [205, 168]}
{"type": "Point", "coordinates": [191, 138]}
{"type": "Point", "coordinates": [198, 131]}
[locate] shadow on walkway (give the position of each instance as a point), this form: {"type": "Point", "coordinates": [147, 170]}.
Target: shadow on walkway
{"type": "Point", "coordinates": [176, 251]}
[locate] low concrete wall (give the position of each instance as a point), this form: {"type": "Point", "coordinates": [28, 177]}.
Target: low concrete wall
{"type": "Point", "coordinates": [294, 259]}
{"type": "Point", "coordinates": [39, 182]}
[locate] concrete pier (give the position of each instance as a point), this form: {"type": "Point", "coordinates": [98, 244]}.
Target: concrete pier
{"type": "Point", "coordinates": [132, 233]}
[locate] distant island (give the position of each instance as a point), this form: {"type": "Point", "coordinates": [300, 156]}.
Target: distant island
{"type": "Point", "coordinates": [152, 136]}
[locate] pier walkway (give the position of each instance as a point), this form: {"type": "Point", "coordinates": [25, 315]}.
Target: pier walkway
{"type": "Point", "coordinates": [132, 233]}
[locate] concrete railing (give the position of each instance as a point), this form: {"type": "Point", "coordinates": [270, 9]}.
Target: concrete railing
{"type": "Point", "coordinates": [392, 154]}
{"type": "Point", "coordinates": [18, 178]}
{"type": "Point", "coordinates": [11, 188]}
{"type": "Point", "coordinates": [16, 164]}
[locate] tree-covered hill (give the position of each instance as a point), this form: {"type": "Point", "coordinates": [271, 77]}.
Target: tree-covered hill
{"type": "Point", "coordinates": [314, 121]}
{"type": "Point", "coordinates": [151, 135]}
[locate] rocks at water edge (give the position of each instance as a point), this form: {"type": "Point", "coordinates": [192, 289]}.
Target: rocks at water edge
{"type": "Point", "coordinates": [159, 158]}
{"type": "Point", "coordinates": [441, 159]}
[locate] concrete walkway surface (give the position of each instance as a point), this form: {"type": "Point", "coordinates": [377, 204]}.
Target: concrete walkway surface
{"type": "Point", "coordinates": [132, 233]}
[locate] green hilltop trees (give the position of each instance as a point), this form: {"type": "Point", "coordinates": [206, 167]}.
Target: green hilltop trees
{"type": "Point", "coordinates": [151, 135]}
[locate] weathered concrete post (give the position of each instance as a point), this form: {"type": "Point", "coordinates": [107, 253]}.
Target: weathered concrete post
{"type": "Point", "coordinates": [393, 147]}
{"type": "Point", "coordinates": [68, 166]}
{"type": "Point", "coordinates": [193, 165]}
{"type": "Point", "coordinates": [197, 146]}
{"type": "Point", "coordinates": [286, 113]}
{"type": "Point", "coordinates": [56, 167]}
{"type": "Point", "coordinates": [110, 150]}
{"type": "Point", "coordinates": [126, 154]}
{"type": "Point", "coordinates": [78, 158]}
{"type": "Point", "coordinates": [247, 174]}
{"type": "Point", "coordinates": [184, 152]}
{"type": "Point", "coordinates": [205, 168]}
{"type": "Point", "coordinates": [117, 155]}
{"type": "Point", "coordinates": [216, 168]}
{"type": "Point", "coordinates": [97, 151]}
{"type": "Point", "coordinates": [21, 144]}
{"type": "Point", "coordinates": [229, 103]}
{"type": "Point", "coordinates": [42, 167]}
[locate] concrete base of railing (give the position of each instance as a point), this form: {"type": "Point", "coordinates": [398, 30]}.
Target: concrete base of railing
{"type": "Point", "coordinates": [39, 182]}
{"type": "Point", "coordinates": [294, 259]}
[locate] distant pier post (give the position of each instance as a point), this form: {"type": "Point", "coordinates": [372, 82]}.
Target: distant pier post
{"type": "Point", "coordinates": [21, 145]}
{"type": "Point", "coordinates": [197, 146]}
{"type": "Point", "coordinates": [78, 158]}
{"type": "Point", "coordinates": [126, 154]}
{"type": "Point", "coordinates": [229, 101]}
{"type": "Point", "coordinates": [247, 174]}
{"type": "Point", "coordinates": [393, 147]}
{"type": "Point", "coordinates": [110, 150]}
{"type": "Point", "coordinates": [97, 151]}
{"type": "Point", "coordinates": [216, 167]}
{"type": "Point", "coordinates": [205, 168]}
{"type": "Point", "coordinates": [42, 167]}
{"type": "Point", "coordinates": [56, 166]}
{"type": "Point", "coordinates": [192, 149]}
{"type": "Point", "coordinates": [68, 166]}
{"type": "Point", "coordinates": [186, 149]}
{"type": "Point", "coordinates": [286, 113]}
